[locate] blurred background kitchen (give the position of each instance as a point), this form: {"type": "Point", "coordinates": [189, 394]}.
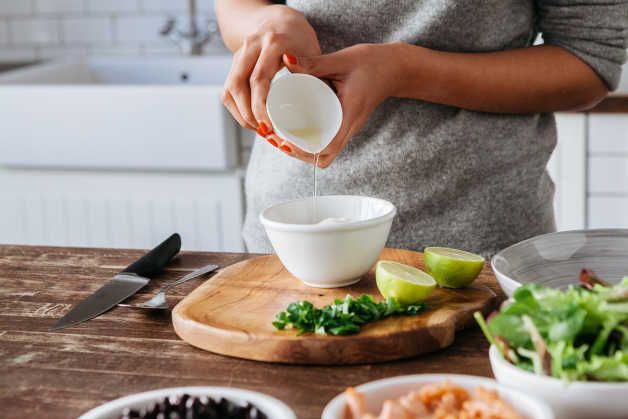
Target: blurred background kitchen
{"type": "Point", "coordinates": [112, 133]}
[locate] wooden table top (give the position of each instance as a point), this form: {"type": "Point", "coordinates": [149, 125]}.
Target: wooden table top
{"type": "Point", "coordinates": [64, 373]}
{"type": "Point", "coordinates": [614, 103]}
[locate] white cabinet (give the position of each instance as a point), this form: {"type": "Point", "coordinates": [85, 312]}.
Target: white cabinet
{"type": "Point", "coordinates": [121, 209]}
{"type": "Point", "coordinates": [119, 152]}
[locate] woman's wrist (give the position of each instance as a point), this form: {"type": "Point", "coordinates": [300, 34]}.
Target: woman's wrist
{"type": "Point", "coordinates": [277, 18]}
{"type": "Point", "coordinates": [404, 62]}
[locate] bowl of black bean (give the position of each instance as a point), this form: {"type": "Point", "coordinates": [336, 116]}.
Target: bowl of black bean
{"type": "Point", "coordinates": [193, 403]}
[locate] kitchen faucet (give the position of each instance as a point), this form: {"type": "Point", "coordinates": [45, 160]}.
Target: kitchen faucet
{"type": "Point", "coordinates": [191, 39]}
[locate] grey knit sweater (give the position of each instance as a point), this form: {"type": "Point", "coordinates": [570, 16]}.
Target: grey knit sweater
{"type": "Point", "coordinates": [459, 178]}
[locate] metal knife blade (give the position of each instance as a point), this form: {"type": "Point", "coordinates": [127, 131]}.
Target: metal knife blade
{"type": "Point", "coordinates": [123, 285]}
{"type": "Point", "coordinates": [113, 292]}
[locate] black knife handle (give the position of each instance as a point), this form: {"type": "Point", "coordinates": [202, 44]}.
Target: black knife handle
{"type": "Point", "coordinates": [155, 260]}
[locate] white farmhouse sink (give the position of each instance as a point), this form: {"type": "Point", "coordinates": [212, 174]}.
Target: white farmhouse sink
{"type": "Point", "coordinates": [137, 113]}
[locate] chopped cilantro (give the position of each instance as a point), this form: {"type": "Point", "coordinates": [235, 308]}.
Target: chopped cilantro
{"type": "Point", "coordinates": [341, 317]}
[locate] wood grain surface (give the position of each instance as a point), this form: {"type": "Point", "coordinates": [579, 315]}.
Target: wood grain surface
{"type": "Point", "coordinates": [64, 373]}
{"type": "Point", "coordinates": [232, 314]}
{"type": "Point", "coordinates": [616, 103]}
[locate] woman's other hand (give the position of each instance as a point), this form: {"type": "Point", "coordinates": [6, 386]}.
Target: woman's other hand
{"type": "Point", "coordinates": [363, 76]}
{"type": "Point", "coordinates": [278, 29]}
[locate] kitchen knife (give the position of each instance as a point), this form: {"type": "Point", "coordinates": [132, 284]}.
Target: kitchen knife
{"type": "Point", "coordinates": [123, 285]}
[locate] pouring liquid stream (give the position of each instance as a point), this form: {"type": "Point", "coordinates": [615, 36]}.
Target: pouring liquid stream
{"type": "Point", "coordinates": [314, 215]}
{"type": "Point", "coordinates": [312, 136]}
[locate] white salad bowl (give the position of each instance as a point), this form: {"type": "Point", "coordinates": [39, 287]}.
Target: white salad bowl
{"type": "Point", "coordinates": [270, 406]}
{"type": "Point", "coordinates": [555, 260]}
{"type": "Point", "coordinates": [377, 392]}
{"type": "Point", "coordinates": [575, 400]}
{"type": "Point", "coordinates": [334, 254]}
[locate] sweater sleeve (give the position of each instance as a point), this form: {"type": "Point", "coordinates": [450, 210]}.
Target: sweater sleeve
{"type": "Point", "coordinates": [596, 31]}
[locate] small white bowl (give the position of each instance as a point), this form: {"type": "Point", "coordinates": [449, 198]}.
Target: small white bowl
{"type": "Point", "coordinates": [330, 255]}
{"type": "Point", "coordinates": [576, 400]}
{"type": "Point", "coordinates": [377, 392]}
{"type": "Point", "coordinates": [272, 407]}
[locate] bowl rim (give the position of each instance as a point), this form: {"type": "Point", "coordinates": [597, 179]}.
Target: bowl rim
{"type": "Point", "coordinates": [263, 401]}
{"type": "Point", "coordinates": [495, 357]}
{"type": "Point", "coordinates": [516, 283]}
{"type": "Point", "coordinates": [473, 380]}
{"type": "Point", "coordinates": [316, 228]}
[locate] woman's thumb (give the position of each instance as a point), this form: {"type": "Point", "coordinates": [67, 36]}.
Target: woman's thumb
{"type": "Point", "coordinates": [317, 66]}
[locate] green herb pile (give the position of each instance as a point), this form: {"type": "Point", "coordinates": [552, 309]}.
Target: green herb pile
{"type": "Point", "coordinates": [580, 334]}
{"type": "Point", "coordinates": [341, 317]}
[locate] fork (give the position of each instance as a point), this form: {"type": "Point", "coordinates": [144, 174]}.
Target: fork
{"type": "Point", "coordinates": [159, 300]}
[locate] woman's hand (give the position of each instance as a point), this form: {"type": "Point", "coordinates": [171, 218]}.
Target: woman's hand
{"type": "Point", "coordinates": [363, 76]}
{"type": "Point", "coordinates": [279, 29]}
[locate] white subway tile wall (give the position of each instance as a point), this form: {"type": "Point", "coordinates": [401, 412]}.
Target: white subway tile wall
{"type": "Point", "coordinates": [77, 30]}
{"type": "Point", "coordinates": [113, 5]}
{"type": "Point", "coordinates": [35, 29]}
{"type": "Point", "coordinates": [609, 134]}
{"type": "Point", "coordinates": [16, 7]}
{"type": "Point", "coordinates": [58, 6]}
{"type": "Point", "coordinates": [122, 49]}
{"type": "Point", "coordinates": [608, 175]}
{"type": "Point", "coordinates": [4, 33]}
{"type": "Point", "coordinates": [54, 52]}
{"type": "Point", "coordinates": [139, 29]}
{"type": "Point", "coordinates": [608, 212]}
{"type": "Point", "coordinates": [16, 53]}
{"type": "Point", "coordinates": [607, 187]}
{"type": "Point", "coordinates": [168, 5]}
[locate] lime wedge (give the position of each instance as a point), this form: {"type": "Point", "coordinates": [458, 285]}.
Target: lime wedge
{"type": "Point", "coordinates": [407, 284]}
{"type": "Point", "coordinates": [452, 268]}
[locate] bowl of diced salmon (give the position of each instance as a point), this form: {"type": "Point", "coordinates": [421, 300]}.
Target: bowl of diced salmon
{"type": "Point", "coordinates": [435, 396]}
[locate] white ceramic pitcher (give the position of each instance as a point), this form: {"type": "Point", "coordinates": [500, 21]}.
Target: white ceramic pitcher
{"type": "Point", "coordinates": [297, 102]}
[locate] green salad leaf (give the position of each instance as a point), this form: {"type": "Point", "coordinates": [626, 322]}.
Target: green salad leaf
{"type": "Point", "coordinates": [577, 334]}
{"type": "Point", "coordinates": [343, 317]}
{"type": "Point", "coordinates": [607, 368]}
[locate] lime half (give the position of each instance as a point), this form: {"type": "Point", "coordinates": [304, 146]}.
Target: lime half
{"type": "Point", "coordinates": [407, 284]}
{"type": "Point", "coordinates": [452, 268]}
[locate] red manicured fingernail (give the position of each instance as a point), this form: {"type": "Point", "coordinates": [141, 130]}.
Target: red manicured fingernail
{"type": "Point", "coordinates": [286, 148]}
{"type": "Point", "coordinates": [263, 129]}
{"type": "Point", "coordinates": [260, 133]}
{"type": "Point", "coordinates": [273, 142]}
{"type": "Point", "coordinates": [291, 58]}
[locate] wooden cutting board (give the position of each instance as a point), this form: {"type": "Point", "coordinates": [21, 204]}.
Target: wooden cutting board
{"type": "Point", "coordinates": [231, 314]}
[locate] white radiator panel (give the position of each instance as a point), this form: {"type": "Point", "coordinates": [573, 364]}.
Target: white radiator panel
{"type": "Point", "coordinates": [131, 210]}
